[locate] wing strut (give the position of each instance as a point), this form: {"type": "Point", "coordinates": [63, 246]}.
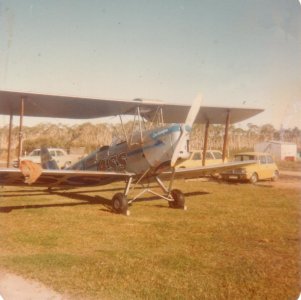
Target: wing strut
{"type": "Point", "coordinates": [9, 139]}
{"type": "Point", "coordinates": [205, 143]}
{"type": "Point", "coordinates": [21, 129]}
{"type": "Point", "coordinates": [226, 136]}
{"type": "Point", "coordinates": [174, 197]}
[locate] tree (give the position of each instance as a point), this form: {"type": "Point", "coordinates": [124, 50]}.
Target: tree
{"type": "Point", "coordinates": [267, 132]}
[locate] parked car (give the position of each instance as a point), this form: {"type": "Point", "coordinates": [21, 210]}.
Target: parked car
{"type": "Point", "coordinates": [196, 157]}
{"type": "Point", "coordinates": [264, 168]}
{"type": "Point", "coordinates": [62, 158]}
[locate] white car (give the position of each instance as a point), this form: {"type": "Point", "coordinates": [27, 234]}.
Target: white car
{"type": "Point", "coordinates": [196, 156]}
{"type": "Point", "coordinates": [61, 157]}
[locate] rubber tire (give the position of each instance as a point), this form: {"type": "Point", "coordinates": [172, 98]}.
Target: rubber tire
{"type": "Point", "coordinates": [179, 199]}
{"type": "Point", "coordinates": [275, 176]}
{"type": "Point", "coordinates": [120, 204]}
{"type": "Point", "coordinates": [254, 178]}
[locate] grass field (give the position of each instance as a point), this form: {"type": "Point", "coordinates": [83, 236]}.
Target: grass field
{"type": "Point", "coordinates": [235, 241]}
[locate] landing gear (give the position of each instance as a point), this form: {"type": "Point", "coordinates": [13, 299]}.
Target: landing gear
{"type": "Point", "coordinates": [120, 204]}
{"type": "Point", "coordinates": [175, 197]}
{"type": "Point", "coordinates": [178, 199]}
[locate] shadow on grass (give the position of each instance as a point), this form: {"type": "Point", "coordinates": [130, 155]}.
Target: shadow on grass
{"type": "Point", "coordinates": [24, 194]}
{"type": "Point", "coordinates": [41, 192]}
{"type": "Point", "coordinates": [88, 200]}
{"type": "Point", "coordinates": [151, 198]}
{"type": "Point", "coordinates": [22, 191]}
{"type": "Point", "coordinates": [263, 183]}
{"type": "Point", "coordinates": [230, 182]}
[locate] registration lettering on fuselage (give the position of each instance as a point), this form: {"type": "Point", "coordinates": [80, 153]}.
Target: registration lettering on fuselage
{"type": "Point", "coordinates": [115, 162]}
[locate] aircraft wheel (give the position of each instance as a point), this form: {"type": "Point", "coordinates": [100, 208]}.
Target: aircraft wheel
{"type": "Point", "coordinates": [254, 178]}
{"type": "Point", "coordinates": [179, 199]}
{"type": "Point", "coordinates": [120, 204]}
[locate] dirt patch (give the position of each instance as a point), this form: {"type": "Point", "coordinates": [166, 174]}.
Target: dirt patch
{"type": "Point", "coordinates": [14, 287]}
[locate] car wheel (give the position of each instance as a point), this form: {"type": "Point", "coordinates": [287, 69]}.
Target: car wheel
{"type": "Point", "coordinates": [275, 176]}
{"type": "Point", "coordinates": [254, 178]}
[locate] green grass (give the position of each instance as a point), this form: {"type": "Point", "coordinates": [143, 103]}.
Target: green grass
{"type": "Point", "coordinates": [235, 241]}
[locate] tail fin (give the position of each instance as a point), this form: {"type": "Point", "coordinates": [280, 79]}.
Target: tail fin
{"type": "Point", "coordinates": [47, 160]}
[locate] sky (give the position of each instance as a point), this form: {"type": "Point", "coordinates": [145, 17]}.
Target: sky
{"type": "Point", "coordinates": [243, 53]}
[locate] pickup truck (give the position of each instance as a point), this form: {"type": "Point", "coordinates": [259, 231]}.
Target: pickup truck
{"type": "Point", "coordinates": [61, 157]}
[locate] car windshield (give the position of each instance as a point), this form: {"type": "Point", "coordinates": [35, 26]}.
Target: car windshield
{"type": "Point", "coordinates": [244, 157]}
{"type": "Point", "coordinates": [196, 156]}
{"type": "Point", "coordinates": [59, 153]}
{"type": "Point", "coordinates": [35, 153]}
{"type": "Point", "coordinates": [209, 155]}
{"type": "Point", "coordinates": [217, 155]}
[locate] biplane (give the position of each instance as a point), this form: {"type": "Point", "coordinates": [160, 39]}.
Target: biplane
{"type": "Point", "coordinates": [148, 154]}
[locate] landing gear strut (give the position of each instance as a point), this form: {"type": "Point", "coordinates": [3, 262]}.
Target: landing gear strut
{"type": "Point", "coordinates": [175, 197]}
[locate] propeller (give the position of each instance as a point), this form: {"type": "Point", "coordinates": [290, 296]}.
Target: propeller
{"type": "Point", "coordinates": [193, 112]}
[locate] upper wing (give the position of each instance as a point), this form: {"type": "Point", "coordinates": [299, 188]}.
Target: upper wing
{"type": "Point", "coordinates": [42, 105]}
{"type": "Point", "coordinates": [62, 178]}
{"type": "Point", "coordinates": [207, 170]}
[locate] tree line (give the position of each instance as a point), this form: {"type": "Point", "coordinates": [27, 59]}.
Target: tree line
{"type": "Point", "coordinates": [91, 136]}
{"type": "Point", "coordinates": [239, 138]}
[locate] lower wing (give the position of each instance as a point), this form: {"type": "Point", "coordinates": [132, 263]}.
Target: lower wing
{"type": "Point", "coordinates": [62, 178]}
{"type": "Point", "coordinates": [206, 170]}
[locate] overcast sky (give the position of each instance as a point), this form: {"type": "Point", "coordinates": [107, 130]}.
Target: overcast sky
{"type": "Point", "coordinates": [236, 53]}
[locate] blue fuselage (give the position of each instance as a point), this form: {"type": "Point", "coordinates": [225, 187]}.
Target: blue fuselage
{"type": "Point", "coordinates": [147, 150]}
